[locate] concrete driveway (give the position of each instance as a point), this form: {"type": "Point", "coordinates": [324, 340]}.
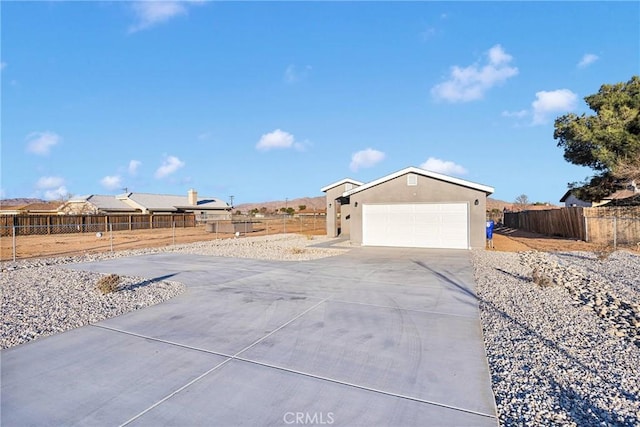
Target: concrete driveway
{"type": "Point", "coordinates": [385, 337]}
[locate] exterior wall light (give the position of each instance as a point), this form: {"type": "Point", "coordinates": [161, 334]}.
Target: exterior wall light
{"type": "Point", "coordinates": [476, 202]}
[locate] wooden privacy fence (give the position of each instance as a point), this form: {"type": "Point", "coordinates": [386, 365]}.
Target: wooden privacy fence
{"type": "Point", "coordinates": [617, 225]}
{"type": "Point", "coordinates": [63, 224]}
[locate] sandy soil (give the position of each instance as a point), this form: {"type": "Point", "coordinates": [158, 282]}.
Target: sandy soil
{"type": "Point", "coordinates": [81, 243]}
{"type": "Point", "coordinates": [506, 240]}
{"type": "Point", "coordinates": [510, 240]}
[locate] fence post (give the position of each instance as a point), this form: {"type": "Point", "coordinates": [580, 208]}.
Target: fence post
{"type": "Point", "coordinates": [14, 243]}
{"type": "Point", "coordinates": [174, 232]}
{"type": "Point", "coordinates": [615, 233]}
{"type": "Point", "coordinates": [111, 236]}
{"type": "Point", "coordinates": [586, 229]}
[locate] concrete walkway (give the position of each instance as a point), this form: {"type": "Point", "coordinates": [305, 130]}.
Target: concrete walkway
{"type": "Point", "coordinates": [375, 337]}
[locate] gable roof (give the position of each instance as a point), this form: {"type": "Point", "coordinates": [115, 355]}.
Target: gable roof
{"type": "Point", "coordinates": [167, 202]}
{"type": "Point", "coordinates": [344, 181]}
{"type": "Point", "coordinates": [618, 195]}
{"type": "Point", "coordinates": [566, 196]}
{"type": "Point", "coordinates": [108, 203]}
{"type": "Point", "coordinates": [423, 172]}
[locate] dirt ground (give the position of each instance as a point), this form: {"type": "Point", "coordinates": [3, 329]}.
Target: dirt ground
{"type": "Point", "coordinates": [510, 240]}
{"type": "Point", "coordinates": [83, 243]}
{"type": "Point", "coordinates": [506, 240]}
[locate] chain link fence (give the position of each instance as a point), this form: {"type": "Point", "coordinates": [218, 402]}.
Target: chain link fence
{"type": "Point", "coordinates": [91, 236]}
{"type": "Point", "coordinates": [613, 231]}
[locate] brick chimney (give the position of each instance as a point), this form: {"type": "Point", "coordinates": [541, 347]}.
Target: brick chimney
{"type": "Point", "coordinates": [192, 197]}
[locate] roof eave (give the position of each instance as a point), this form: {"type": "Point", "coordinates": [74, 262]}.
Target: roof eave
{"type": "Point", "coordinates": [481, 187]}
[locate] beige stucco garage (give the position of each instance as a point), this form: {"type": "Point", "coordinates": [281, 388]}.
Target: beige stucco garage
{"type": "Point", "coordinates": [409, 208]}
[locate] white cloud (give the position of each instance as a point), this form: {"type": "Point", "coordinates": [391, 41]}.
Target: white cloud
{"type": "Point", "coordinates": [293, 75]}
{"type": "Point", "coordinates": [275, 139]}
{"type": "Point", "coordinates": [472, 82]}
{"type": "Point", "coordinates": [517, 114]}
{"type": "Point", "coordinates": [53, 187]}
{"type": "Point", "coordinates": [133, 166]}
{"type": "Point", "coordinates": [556, 101]}
{"type": "Point", "coordinates": [48, 182]}
{"type": "Point", "coordinates": [41, 142]}
{"type": "Point", "coordinates": [169, 166]}
{"type": "Point", "coordinates": [56, 194]}
{"type": "Point", "coordinates": [443, 166]}
{"type": "Point", "coordinates": [365, 159]}
{"type": "Point", "coordinates": [111, 182]}
{"type": "Point", "coordinates": [587, 59]}
{"type": "Point", "coordinates": [151, 13]}
{"type": "Point", "coordinates": [204, 136]}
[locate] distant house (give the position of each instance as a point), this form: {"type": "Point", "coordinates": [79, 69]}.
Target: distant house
{"type": "Point", "coordinates": [45, 208]}
{"type": "Point", "coordinates": [631, 190]}
{"type": "Point", "coordinates": [145, 203]}
{"type": "Point", "coordinates": [97, 204]}
{"type": "Point", "coordinates": [310, 213]}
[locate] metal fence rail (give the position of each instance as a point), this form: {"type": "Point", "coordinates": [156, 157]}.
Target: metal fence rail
{"type": "Point", "coordinates": [613, 231]}
{"type": "Point", "coordinates": [603, 226]}
{"type": "Point", "coordinates": [67, 238]}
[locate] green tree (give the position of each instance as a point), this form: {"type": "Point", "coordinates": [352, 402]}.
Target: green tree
{"type": "Point", "coordinates": [302, 207]}
{"type": "Point", "coordinates": [608, 143]}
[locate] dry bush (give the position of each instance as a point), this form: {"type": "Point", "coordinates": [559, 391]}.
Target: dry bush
{"type": "Point", "coordinates": [603, 252]}
{"type": "Point", "coordinates": [297, 251]}
{"type": "Point", "coordinates": [108, 284]}
{"type": "Point", "coordinates": [540, 278]}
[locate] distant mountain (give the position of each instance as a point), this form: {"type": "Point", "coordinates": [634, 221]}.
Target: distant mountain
{"type": "Point", "coordinates": [20, 201]}
{"type": "Point", "coordinates": [309, 202]}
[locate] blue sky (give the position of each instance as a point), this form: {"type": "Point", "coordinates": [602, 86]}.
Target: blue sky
{"type": "Point", "coordinates": [272, 100]}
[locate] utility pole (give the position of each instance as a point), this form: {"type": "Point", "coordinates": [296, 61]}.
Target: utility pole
{"type": "Point", "coordinates": [284, 217]}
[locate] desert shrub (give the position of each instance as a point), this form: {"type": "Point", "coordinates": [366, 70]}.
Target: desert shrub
{"type": "Point", "coordinates": [540, 278]}
{"type": "Point", "coordinates": [297, 251]}
{"type": "Point", "coordinates": [108, 284]}
{"type": "Point", "coordinates": [603, 252]}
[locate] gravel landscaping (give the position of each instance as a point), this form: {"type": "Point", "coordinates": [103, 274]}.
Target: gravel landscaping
{"type": "Point", "coordinates": [39, 298]}
{"type": "Point", "coordinates": [561, 330]}
{"type": "Point", "coordinates": [562, 336]}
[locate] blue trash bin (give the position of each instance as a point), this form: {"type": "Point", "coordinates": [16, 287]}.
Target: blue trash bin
{"type": "Point", "coordinates": [490, 225]}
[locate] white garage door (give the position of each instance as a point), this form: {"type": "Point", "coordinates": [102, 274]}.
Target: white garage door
{"type": "Point", "coordinates": [425, 225]}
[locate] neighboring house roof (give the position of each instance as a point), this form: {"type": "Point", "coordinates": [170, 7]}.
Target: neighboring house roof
{"type": "Point", "coordinates": [45, 207]}
{"type": "Point", "coordinates": [108, 203]}
{"type": "Point", "coordinates": [627, 201]}
{"type": "Point", "coordinates": [618, 195]}
{"type": "Point", "coordinates": [170, 203]}
{"type": "Point", "coordinates": [312, 211]}
{"type": "Point", "coordinates": [344, 181]}
{"type": "Point", "coordinates": [429, 174]}
{"type": "Point", "coordinates": [566, 196]}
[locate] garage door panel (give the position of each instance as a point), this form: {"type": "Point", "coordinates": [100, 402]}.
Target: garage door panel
{"type": "Point", "coordinates": [425, 225]}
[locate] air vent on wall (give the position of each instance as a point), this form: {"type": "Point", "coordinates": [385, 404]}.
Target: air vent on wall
{"type": "Point", "coordinates": [412, 180]}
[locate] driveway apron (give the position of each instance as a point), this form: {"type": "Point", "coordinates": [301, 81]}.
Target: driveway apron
{"type": "Point", "coordinates": [376, 336]}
